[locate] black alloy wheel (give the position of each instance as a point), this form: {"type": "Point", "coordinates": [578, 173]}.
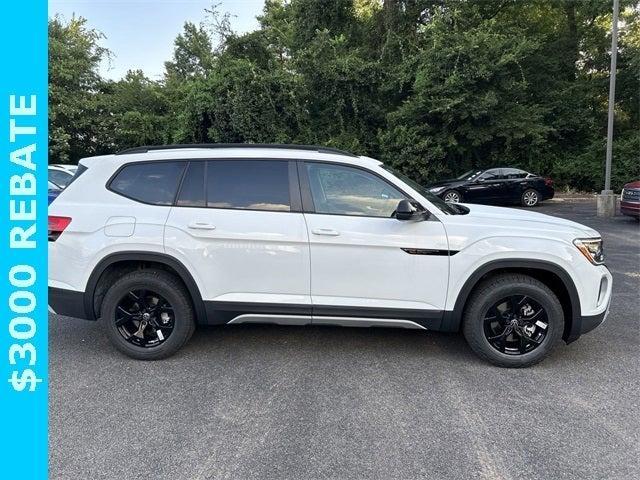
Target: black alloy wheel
{"type": "Point", "coordinates": [513, 320]}
{"type": "Point", "coordinates": [144, 318]}
{"type": "Point", "coordinates": [148, 314]}
{"type": "Point", "coordinates": [516, 325]}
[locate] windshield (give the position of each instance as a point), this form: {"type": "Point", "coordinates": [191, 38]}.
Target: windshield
{"type": "Point", "coordinates": [437, 201]}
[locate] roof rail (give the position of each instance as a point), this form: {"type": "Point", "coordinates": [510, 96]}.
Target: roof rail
{"type": "Point", "coordinates": [315, 148]}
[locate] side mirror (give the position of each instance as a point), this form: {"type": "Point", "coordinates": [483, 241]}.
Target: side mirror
{"type": "Point", "coordinates": [406, 211]}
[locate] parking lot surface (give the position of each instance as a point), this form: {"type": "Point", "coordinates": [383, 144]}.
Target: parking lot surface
{"type": "Point", "coordinates": [328, 402]}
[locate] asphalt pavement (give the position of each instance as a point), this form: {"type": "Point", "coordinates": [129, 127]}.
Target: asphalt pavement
{"type": "Point", "coordinates": [271, 402]}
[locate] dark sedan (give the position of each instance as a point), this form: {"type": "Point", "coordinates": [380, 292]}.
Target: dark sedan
{"type": "Point", "coordinates": [496, 185]}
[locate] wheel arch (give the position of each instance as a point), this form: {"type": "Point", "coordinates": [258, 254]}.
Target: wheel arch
{"type": "Point", "coordinates": [131, 260]}
{"type": "Point", "coordinates": [552, 275]}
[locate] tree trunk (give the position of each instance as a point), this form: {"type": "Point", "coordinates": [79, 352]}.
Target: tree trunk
{"type": "Point", "coordinates": [572, 41]}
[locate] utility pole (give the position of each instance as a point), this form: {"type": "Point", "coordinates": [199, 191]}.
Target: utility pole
{"type": "Point", "coordinates": [607, 200]}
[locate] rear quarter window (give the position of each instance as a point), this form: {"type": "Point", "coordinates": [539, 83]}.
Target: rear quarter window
{"type": "Point", "coordinates": [155, 183]}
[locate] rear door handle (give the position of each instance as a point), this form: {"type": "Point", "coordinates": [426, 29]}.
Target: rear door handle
{"type": "Point", "coordinates": [325, 231]}
{"type": "Point", "coordinates": [201, 226]}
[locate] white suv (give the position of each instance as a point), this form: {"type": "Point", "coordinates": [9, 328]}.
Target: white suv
{"type": "Point", "coordinates": [155, 240]}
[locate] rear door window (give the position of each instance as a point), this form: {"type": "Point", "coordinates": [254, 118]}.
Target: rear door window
{"type": "Point", "coordinates": [514, 173]}
{"type": "Point", "coordinates": [493, 174]}
{"type": "Point", "coordinates": [248, 185]}
{"type": "Point", "coordinates": [155, 183]}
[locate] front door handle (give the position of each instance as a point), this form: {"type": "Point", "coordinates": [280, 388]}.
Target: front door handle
{"type": "Point", "coordinates": [201, 226]}
{"type": "Point", "coordinates": [325, 231]}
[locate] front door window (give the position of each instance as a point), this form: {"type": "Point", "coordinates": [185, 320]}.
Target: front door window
{"type": "Point", "coordinates": [341, 190]}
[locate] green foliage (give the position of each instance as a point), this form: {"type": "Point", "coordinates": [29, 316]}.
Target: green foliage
{"type": "Point", "coordinates": [193, 53]}
{"type": "Point", "coordinates": [138, 110]}
{"type": "Point", "coordinates": [74, 56]}
{"type": "Point", "coordinates": [469, 99]}
{"type": "Point", "coordinates": [429, 86]}
{"type": "Point", "coordinates": [239, 102]}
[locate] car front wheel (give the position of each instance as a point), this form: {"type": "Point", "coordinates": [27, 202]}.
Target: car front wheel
{"type": "Point", "coordinates": [148, 314]}
{"type": "Point", "coordinates": [513, 320]}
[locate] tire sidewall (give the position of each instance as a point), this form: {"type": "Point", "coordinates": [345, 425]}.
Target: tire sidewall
{"type": "Point", "coordinates": [183, 322]}
{"type": "Point", "coordinates": [474, 327]}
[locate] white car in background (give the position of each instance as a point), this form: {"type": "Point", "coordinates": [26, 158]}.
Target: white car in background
{"type": "Point", "coordinates": [61, 174]}
{"type": "Point", "coordinates": [153, 240]}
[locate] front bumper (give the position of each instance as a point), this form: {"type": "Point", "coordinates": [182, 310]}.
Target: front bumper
{"type": "Point", "coordinates": [585, 323]}
{"type": "Point", "coordinates": [592, 321]}
{"type": "Point", "coordinates": [630, 208]}
{"type": "Point", "coordinates": [594, 313]}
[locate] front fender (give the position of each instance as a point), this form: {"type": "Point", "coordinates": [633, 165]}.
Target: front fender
{"type": "Point", "coordinates": [471, 264]}
{"type": "Point", "coordinates": [517, 252]}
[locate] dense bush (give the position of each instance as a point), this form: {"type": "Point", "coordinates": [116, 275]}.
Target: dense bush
{"type": "Point", "coordinates": [431, 87]}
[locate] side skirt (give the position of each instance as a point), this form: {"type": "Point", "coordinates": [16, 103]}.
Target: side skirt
{"type": "Point", "coordinates": [317, 320]}
{"type": "Point", "coordinates": [367, 322]}
{"type": "Point", "coordinates": [287, 314]}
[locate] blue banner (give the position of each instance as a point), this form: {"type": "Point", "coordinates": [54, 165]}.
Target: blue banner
{"type": "Point", "coordinates": [23, 247]}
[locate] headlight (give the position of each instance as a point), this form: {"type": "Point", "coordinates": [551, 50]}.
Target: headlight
{"type": "Point", "coordinates": [591, 248]}
{"type": "Point", "coordinates": [436, 189]}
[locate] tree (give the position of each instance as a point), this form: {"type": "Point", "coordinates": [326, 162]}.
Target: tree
{"type": "Point", "coordinates": [138, 110]}
{"type": "Point", "coordinates": [432, 87]}
{"type": "Point", "coordinates": [74, 83]}
{"type": "Point", "coordinates": [192, 55]}
{"type": "Point", "coordinates": [470, 105]}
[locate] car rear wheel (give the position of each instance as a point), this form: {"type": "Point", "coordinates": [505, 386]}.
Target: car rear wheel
{"type": "Point", "coordinates": [452, 196]}
{"type": "Point", "coordinates": [148, 314]}
{"type": "Point", "coordinates": [530, 198]}
{"type": "Point", "coordinates": [513, 320]}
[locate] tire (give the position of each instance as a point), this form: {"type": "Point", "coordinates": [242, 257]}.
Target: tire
{"type": "Point", "coordinates": [478, 329]}
{"type": "Point", "coordinates": [452, 196]}
{"type": "Point", "coordinates": [530, 198]}
{"type": "Point", "coordinates": [172, 304]}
